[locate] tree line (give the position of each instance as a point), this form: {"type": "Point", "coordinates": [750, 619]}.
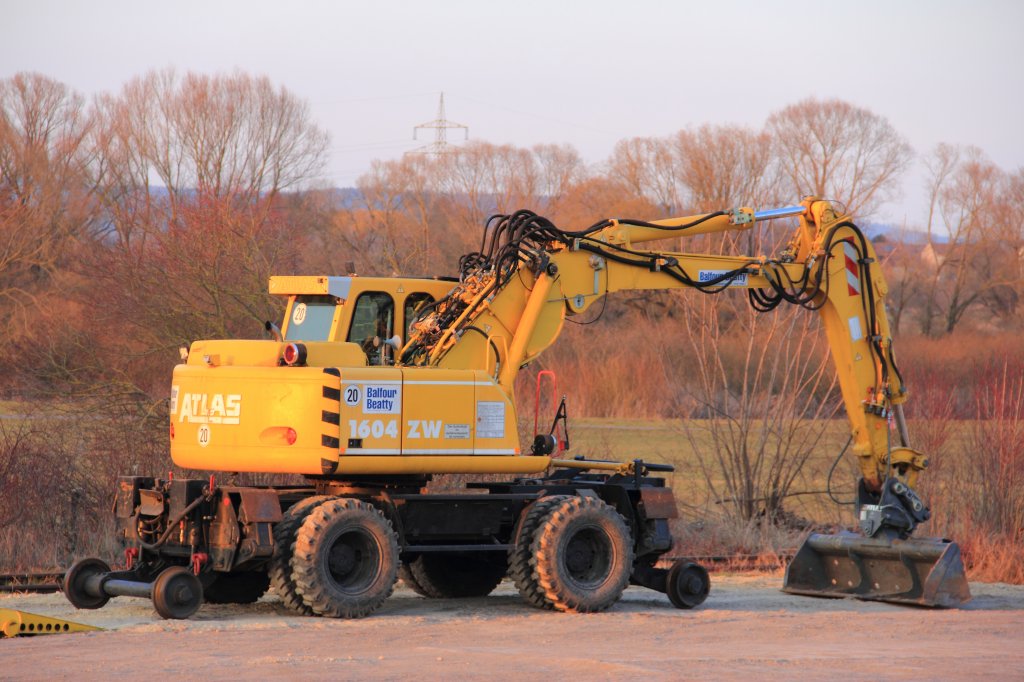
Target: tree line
{"type": "Point", "coordinates": [160, 210]}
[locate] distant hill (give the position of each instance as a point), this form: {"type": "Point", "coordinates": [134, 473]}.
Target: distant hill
{"type": "Point", "coordinates": [896, 233]}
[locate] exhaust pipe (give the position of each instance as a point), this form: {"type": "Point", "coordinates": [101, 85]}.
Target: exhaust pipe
{"type": "Point", "coordinates": [923, 571]}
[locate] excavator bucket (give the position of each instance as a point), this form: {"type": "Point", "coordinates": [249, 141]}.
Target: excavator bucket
{"type": "Point", "coordinates": [925, 571]}
{"type": "Point", "coordinates": [14, 623]}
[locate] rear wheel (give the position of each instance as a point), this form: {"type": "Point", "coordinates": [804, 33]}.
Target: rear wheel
{"type": "Point", "coordinates": [345, 561]}
{"type": "Point", "coordinates": [584, 555]}
{"type": "Point", "coordinates": [446, 576]}
{"type": "Point", "coordinates": [406, 576]}
{"type": "Point", "coordinates": [521, 560]}
{"type": "Point", "coordinates": [239, 587]}
{"type": "Point", "coordinates": [280, 570]}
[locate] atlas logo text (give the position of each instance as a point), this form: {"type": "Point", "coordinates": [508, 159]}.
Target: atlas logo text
{"type": "Point", "coordinates": [215, 408]}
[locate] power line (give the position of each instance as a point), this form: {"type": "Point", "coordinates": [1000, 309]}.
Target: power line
{"type": "Point", "coordinates": [383, 144]}
{"type": "Point", "coordinates": [541, 117]}
{"type": "Point", "coordinates": [382, 98]}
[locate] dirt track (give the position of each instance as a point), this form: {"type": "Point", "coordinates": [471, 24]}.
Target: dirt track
{"type": "Point", "coordinates": [746, 629]}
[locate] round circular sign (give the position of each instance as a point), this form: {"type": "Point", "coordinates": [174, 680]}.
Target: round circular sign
{"type": "Point", "coordinates": [203, 435]}
{"type": "Point", "coordinates": [299, 314]}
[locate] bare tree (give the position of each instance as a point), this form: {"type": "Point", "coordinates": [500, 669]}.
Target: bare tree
{"type": "Point", "coordinates": [645, 167]}
{"type": "Point", "coordinates": [218, 136]}
{"type": "Point", "coordinates": [907, 275]}
{"type": "Point", "coordinates": [766, 395]}
{"type": "Point", "coordinates": [45, 183]}
{"type": "Point", "coordinates": [721, 166]}
{"type": "Point", "coordinates": [445, 199]}
{"type": "Point", "coordinates": [193, 170]}
{"type": "Point", "coordinates": [190, 176]}
{"type": "Point", "coordinates": [977, 261]}
{"type": "Point", "coordinates": [836, 150]}
{"type": "Point", "coordinates": [389, 228]}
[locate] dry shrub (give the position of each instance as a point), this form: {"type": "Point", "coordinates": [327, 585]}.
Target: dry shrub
{"type": "Point", "coordinates": [722, 535]}
{"type": "Point", "coordinates": [947, 366]}
{"type": "Point", "coordinates": [992, 559]}
{"type": "Point", "coordinates": [612, 365]}
{"type": "Point", "coordinates": [975, 484]}
{"type": "Point", "coordinates": [996, 445]}
{"type": "Point", "coordinates": [58, 469]}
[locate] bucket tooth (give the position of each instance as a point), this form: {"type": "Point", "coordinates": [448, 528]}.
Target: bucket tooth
{"type": "Point", "coordinates": [924, 571]}
{"type": "Point", "coordinates": [19, 623]}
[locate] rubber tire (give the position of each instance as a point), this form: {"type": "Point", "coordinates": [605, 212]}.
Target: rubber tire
{"type": "Point", "coordinates": [75, 578]}
{"type": "Point", "coordinates": [406, 576]}
{"type": "Point", "coordinates": [456, 576]}
{"type": "Point", "coordinates": [520, 557]}
{"type": "Point", "coordinates": [177, 593]}
{"type": "Point", "coordinates": [280, 568]}
{"type": "Point", "coordinates": [345, 562]}
{"type": "Point", "coordinates": [584, 555]}
{"type": "Point", "coordinates": [687, 584]}
{"type": "Point", "coordinates": [238, 587]}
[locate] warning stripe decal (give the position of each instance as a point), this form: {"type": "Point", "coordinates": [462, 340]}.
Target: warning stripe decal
{"type": "Point", "coordinates": [852, 268]}
{"type": "Point", "coordinates": [330, 412]}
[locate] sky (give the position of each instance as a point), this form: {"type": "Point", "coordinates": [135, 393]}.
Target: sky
{"type": "Point", "coordinates": [584, 73]}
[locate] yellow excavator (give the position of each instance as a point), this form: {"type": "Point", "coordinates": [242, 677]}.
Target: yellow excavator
{"type": "Point", "coordinates": [371, 386]}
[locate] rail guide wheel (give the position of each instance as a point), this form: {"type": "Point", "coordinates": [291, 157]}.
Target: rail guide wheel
{"type": "Point", "coordinates": [177, 593]}
{"type": "Point", "coordinates": [687, 584]}
{"type": "Point", "coordinates": [75, 584]}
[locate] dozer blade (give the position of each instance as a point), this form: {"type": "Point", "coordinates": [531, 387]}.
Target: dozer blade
{"type": "Point", "coordinates": [14, 623]}
{"type": "Point", "coordinates": [925, 571]}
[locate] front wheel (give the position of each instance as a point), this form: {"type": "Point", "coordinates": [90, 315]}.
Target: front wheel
{"type": "Point", "coordinates": [280, 568]}
{"type": "Point", "coordinates": [521, 559]}
{"type": "Point", "coordinates": [345, 562]}
{"type": "Point", "coordinates": [584, 555]}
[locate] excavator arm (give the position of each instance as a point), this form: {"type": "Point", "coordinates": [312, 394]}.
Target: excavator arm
{"type": "Point", "coordinates": [515, 293]}
{"type": "Point", "coordinates": [829, 266]}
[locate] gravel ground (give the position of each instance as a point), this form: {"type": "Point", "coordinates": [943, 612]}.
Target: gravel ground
{"type": "Point", "coordinates": [747, 629]}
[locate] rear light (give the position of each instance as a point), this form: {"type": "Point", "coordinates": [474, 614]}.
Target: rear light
{"type": "Point", "coordinates": [172, 431]}
{"type": "Point", "coordinates": [278, 436]}
{"type": "Point", "coordinates": [294, 354]}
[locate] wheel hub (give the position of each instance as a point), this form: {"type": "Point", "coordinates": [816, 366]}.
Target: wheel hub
{"type": "Point", "coordinates": [182, 594]}
{"type": "Point", "coordinates": [580, 556]}
{"type": "Point", "coordinates": [343, 559]}
{"type": "Point", "coordinates": [588, 556]}
{"type": "Point", "coordinates": [354, 561]}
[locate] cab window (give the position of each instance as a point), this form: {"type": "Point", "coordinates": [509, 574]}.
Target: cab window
{"type": "Point", "coordinates": [373, 322]}
{"type": "Point", "coordinates": [414, 303]}
{"type": "Point", "coordinates": [311, 318]}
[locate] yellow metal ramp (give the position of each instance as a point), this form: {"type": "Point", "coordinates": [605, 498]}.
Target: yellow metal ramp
{"type": "Point", "coordinates": [14, 623]}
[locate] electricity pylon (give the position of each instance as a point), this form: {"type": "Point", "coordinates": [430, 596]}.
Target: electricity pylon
{"type": "Point", "coordinates": [440, 126]}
